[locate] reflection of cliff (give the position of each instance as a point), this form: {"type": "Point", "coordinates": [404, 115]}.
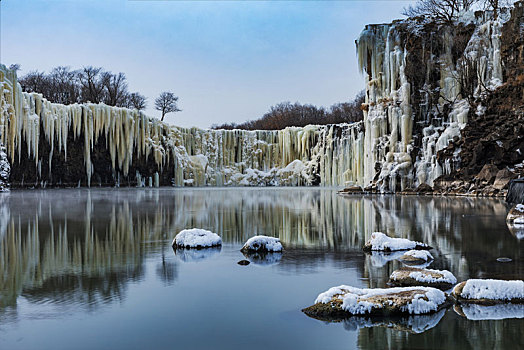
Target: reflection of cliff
{"type": "Point", "coordinates": [460, 334]}
{"type": "Point", "coordinates": [86, 245]}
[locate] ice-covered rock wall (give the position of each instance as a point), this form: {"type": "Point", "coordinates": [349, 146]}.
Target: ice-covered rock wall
{"type": "Point", "coordinates": [422, 80]}
{"type": "Point", "coordinates": [51, 144]}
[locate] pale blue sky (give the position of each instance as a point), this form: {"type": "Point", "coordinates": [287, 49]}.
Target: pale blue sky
{"type": "Point", "coordinates": [227, 61]}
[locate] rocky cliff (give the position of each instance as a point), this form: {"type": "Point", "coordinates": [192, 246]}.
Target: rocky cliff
{"type": "Point", "coordinates": [443, 112]}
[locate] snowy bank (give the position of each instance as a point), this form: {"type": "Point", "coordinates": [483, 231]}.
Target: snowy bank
{"type": "Point", "coordinates": [476, 312]}
{"type": "Point", "coordinates": [412, 276]}
{"type": "Point", "coordinates": [489, 291]}
{"type": "Point", "coordinates": [343, 301]}
{"type": "Point", "coordinates": [416, 257]}
{"type": "Point", "coordinates": [196, 238]}
{"type": "Point", "coordinates": [263, 244]}
{"type": "Point", "coordinates": [382, 242]}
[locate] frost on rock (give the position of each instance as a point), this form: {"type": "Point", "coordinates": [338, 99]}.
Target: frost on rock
{"type": "Point", "coordinates": [489, 290]}
{"type": "Point", "coordinates": [342, 301]}
{"type": "Point", "coordinates": [411, 276]}
{"type": "Point", "coordinates": [416, 256]}
{"type": "Point", "coordinates": [262, 244]}
{"type": "Point", "coordinates": [381, 242]}
{"type": "Point", "coordinates": [196, 238]}
{"type": "Point", "coordinates": [413, 323]}
{"type": "Point", "coordinates": [476, 312]}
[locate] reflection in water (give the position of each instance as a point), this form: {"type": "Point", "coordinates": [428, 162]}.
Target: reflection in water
{"type": "Point", "coordinates": [490, 312]}
{"type": "Point", "coordinates": [412, 324]}
{"type": "Point", "coordinates": [517, 230]}
{"type": "Point", "coordinates": [192, 255]}
{"type": "Point", "coordinates": [84, 247]}
{"type": "Point", "coordinates": [262, 257]}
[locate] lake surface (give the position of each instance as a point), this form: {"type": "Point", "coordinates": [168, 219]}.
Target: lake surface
{"type": "Point", "coordinates": [94, 269]}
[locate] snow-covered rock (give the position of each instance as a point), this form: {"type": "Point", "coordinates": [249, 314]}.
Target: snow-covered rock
{"type": "Point", "coordinates": [411, 276]}
{"type": "Point", "coordinates": [489, 291]}
{"type": "Point", "coordinates": [343, 301]}
{"type": "Point", "coordinates": [416, 257]}
{"type": "Point", "coordinates": [196, 238]}
{"type": "Point", "coordinates": [516, 215]}
{"type": "Point", "coordinates": [263, 244]}
{"type": "Point", "coordinates": [478, 312]}
{"type": "Point", "coordinates": [382, 242]}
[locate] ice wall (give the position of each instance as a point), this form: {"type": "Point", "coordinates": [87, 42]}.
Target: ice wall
{"type": "Point", "coordinates": [326, 155]}
{"type": "Point", "coordinates": [418, 94]}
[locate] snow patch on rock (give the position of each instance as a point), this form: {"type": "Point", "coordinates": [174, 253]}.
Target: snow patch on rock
{"type": "Point", "coordinates": [263, 243]}
{"type": "Point", "coordinates": [381, 242]}
{"type": "Point", "coordinates": [490, 289]}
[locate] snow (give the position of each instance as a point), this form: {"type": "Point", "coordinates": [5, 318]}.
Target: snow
{"type": "Point", "coordinates": [420, 254]}
{"type": "Point", "coordinates": [426, 277]}
{"type": "Point", "coordinates": [492, 289]}
{"type": "Point", "coordinates": [520, 207]}
{"type": "Point", "coordinates": [380, 241]}
{"type": "Point", "coordinates": [519, 221]}
{"type": "Point", "coordinates": [197, 238]}
{"type": "Point", "coordinates": [477, 312]}
{"type": "Point", "coordinates": [263, 243]}
{"type": "Point", "coordinates": [352, 299]}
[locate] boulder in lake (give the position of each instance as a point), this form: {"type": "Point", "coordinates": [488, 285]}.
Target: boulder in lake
{"type": "Point", "coordinates": [262, 244]}
{"type": "Point", "coordinates": [381, 242]}
{"type": "Point", "coordinates": [196, 238]}
{"type": "Point", "coordinates": [352, 190]}
{"type": "Point", "coordinates": [412, 276]}
{"type": "Point", "coordinates": [344, 301]}
{"type": "Point", "coordinates": [489, 291]}
{"type": "Point", "coordinates": [416, 257]}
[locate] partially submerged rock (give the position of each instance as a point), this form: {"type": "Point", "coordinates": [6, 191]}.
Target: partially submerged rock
{"type": "Point", "coordinates": [352, 190]}
{"type": "Point", "coordinates": [196, 238]}
{"type": "Point", "coordinates": [478, 312]}
{"type": "Point", "coordinates": [416, 257]}
{"type": "Point", "coordinates": [381, 242]}
{"type": "Point", "coordinates": [412, 276]}
{"type": "Point", "coordinates": [343, 301]}
{"type": "Point", "coordinates": [489, 291]}
{"type": "Point", "coordinates": [262, 244]}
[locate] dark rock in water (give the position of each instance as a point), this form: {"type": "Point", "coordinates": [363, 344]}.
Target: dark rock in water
{"type": "Point", "coordinates": [243, 262]}
{"type": "Point", "coordinates": [516, 191]}
{"type": "Point", "coordinates": [424, 188]}
{"type": "Point", "coordinates": [412, 276]}
{"type": "Point", "coordinates": [352, 190]}
{"type": "Point", "coordinates": [504, 259]}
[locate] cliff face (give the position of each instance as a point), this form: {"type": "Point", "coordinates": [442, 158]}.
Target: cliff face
{"type": "Point", "coordinates": [89, 145]}
{"type": "Point", "coordinates": [444, 108]}
{"type": "Point", "coordinates": [428, 88]}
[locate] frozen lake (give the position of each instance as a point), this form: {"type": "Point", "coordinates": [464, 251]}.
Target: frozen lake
{"type": "Point", "coordinates": [94, 269]}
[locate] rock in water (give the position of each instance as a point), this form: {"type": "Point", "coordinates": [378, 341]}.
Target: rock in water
{"type": "Point", "coordinates": [411, 276]}
{"type": "Point", "coordinates": [196, 238]}
{"type": "Point", "coordinates": [489, 291]}
{"type": "Point", "coordinates": [416, 257]}
{"type": "Point", "coordinates": [381, 242]}
{"type": "Point", "coordinates": [262, 244]}
{"type": "Point", "coordinates": [243, 262]}
{"type": "Point", "coordinates": [344, 301]}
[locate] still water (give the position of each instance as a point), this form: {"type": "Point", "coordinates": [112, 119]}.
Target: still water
{"type": "Point", "coordinates": [94, 269]}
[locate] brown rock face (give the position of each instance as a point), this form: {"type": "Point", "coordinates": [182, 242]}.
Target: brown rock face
{"type": "Point", "coordinates": [488, 173]}
{"type": "Point", "coordinates": [503, 178]}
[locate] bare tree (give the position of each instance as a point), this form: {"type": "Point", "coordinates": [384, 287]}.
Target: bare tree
{"type": "Point", "coordinates": [92, 84]}
{"type": "Point", "coordinates": [35, 81]}
{"type": "Point", "coordinates": [136, 101]}
{"type": "Point", "coordinates": [445, 11]}
{"type": "Point", "coordinates": [166, 103]}
{"type": "Point", "coordinates": [64, 87]}
{"type": "Point", "coordinates": [116, 89]}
